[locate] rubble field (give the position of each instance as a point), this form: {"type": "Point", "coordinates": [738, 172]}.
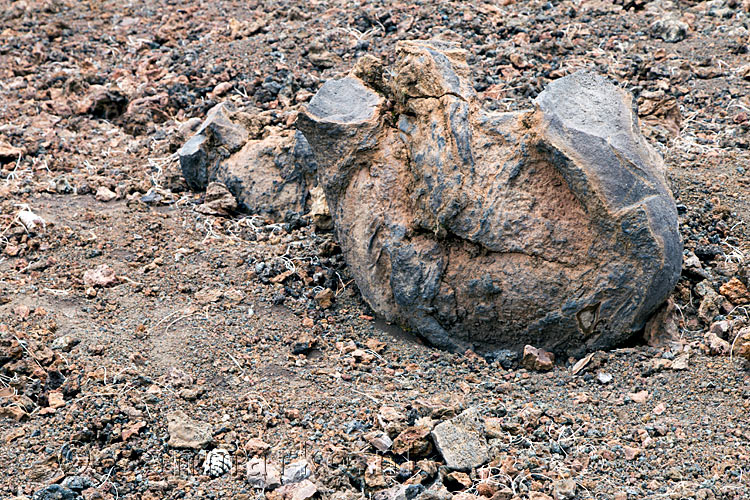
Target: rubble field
{"type": "Point", "coordinates": [160, 342]}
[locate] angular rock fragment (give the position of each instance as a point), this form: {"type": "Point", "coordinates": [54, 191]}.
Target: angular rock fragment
{"type": "Point", "coordinates": [413, 442]}
{"type": "Point", "coordinates": [552, 227]}
{"type": "Point", "coordinates": [270, 175]}
{"type": "Point", "coordinates": [218, 201]}
{"type": "Point", "coordinates": [187, 433]}
{"type": "Point", "coordinates": [461, 441]}
{"type": "Point", "coordinates": [194, 161]}
{"type": "Point", "coordinates": [262, 474]}
{"type": "Point", "coordinates": [216, 138]}
{"type": "Point", "coordinates": [537, 359]}
{"type": "Point", "coordinates": [670, 29]}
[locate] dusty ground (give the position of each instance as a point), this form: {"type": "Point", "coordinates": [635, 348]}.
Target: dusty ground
{"type": "Point", "coordinates": [217, 316]}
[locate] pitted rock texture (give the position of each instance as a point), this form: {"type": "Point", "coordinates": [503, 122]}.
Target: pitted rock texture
{"type": "Point", "coordinates": [552, 227]}
{"type": "Point", "coordinates": [268, 175]}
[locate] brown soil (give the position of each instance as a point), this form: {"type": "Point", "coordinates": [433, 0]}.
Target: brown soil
{"type": "Point", "coordinates": [202, 317]}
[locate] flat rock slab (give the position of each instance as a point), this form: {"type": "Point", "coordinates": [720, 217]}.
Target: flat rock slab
{"type": "Point", "coordinates": [185, 432]}
{"type": "Point", "coordinates": [461, 441]}
{"type": "Point", "coordinates": [262, 475]}
{"type": "Point", "coordinates": [552, 227]}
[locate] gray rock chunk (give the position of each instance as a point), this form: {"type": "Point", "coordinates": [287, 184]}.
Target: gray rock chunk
{"type": "Point", "coordinates": [262, 475]}
{"type": "Point", "coordinates": [222, 130]}
{"type": "Point", "coordinates": [217, 137]}
{"type": "Point", "coordinates": [551, 227]}
{"type": "Point", "coordinates": [272, 175]}
{"type": "Point", "coordinates": [187, 433]}
{"type": "Point", "coordinates": [55, 492]}
{"type": "Point", "coordinates": [670, 30]}
{"type": "Point", "coordinates": [339, 128]}
{"type": "Point", "coordinates": [461, 441]}
{"type": "Point", "coordinates": [344, 101]}
{"type": "Point", "coordinates": [194, 161]}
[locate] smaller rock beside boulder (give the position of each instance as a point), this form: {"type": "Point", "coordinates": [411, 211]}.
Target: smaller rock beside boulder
{"type": "Point", "coordinates": [267, 170]}
{"type": "Point", "coordinates": [218, 201]}
{"type": "Point", "coordinates": [218, 136]}
{"type": "Point", "coordinates": [271, 175]}
{"type": "Point", "coordinates": [461, 441]}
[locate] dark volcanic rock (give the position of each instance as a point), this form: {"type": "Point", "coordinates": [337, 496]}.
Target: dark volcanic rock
{"type": "Point", "coordinates": [215, 139]}
{"type": "Point", "coordinates": [552, 227]}
{"type": "Point", "coordinates": [194, 161]}
{"type": "Point", "coordinates": [271, 176]}
{"type": "Point", "coordinates": [55, 492]}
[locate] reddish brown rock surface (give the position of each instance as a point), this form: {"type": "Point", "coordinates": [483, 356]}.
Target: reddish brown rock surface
{"type": "Point", "coordinates": [552, 227]}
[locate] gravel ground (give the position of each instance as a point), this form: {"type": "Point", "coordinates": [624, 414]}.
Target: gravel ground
{"type": "Point", "coordinates": [253, 328]}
